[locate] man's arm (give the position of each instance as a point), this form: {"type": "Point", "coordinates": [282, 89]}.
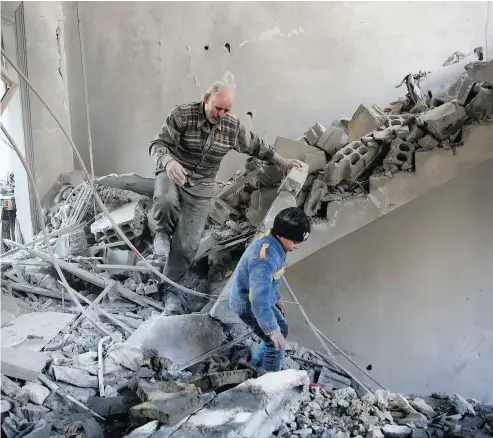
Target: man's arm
{"type": "Point", "coordinates": [166, 140]}
{"type": "Point", "coordinates": [261, 272]}
{"type": "Point", "coordinates": [251, 144]}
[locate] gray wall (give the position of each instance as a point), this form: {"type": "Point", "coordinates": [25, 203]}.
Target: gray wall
{"type": "Point", "coordinates": [294, 62]}
{"type": "Point", "coordinates": [412, 292]}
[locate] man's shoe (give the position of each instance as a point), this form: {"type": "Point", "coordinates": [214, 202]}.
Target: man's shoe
{"type": "Point", "coordinates": [161, 244]}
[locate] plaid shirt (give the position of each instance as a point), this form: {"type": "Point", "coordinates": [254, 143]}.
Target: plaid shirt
{"type": "Point", "coordinates": [199, 147]}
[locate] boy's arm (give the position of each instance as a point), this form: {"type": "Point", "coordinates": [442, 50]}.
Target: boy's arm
{"type": "Point", "coordinates": [261, 273]}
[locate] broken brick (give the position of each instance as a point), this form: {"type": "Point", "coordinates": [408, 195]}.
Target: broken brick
{"type": "Point", "coordinates": [314, 133]}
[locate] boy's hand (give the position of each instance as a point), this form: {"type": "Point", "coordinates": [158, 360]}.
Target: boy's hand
{"type": "Point", "coordinates": [278, 340]}
{"type": "Point", "coordinates": [281, 308]}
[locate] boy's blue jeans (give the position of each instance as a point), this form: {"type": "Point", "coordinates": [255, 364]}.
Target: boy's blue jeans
{"type": "Point", "coordinates": [265, 355]}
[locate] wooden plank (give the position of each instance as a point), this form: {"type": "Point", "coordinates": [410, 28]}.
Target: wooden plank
{"type": "Point", "coordinates": [23, 364]}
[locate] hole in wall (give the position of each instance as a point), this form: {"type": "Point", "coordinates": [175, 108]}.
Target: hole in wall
{"type": "Point", "coordinates": [250, 114]}
{"type": "Point", "coordinates": [404, 148]}
{"type": "Point", "coordinates": [227, 47]}
{"type": "Point", "coordinates": [206, 47]}
{"type": "Point", "coordinates": [338, 319]}
{"type": "Point", "coordinates": [402, 157]}
{"type": "Point", "coordinates": [369, 367]}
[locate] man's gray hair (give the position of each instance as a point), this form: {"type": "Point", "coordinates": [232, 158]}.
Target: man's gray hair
{"type": "Point", "coordinates": [217, 86]}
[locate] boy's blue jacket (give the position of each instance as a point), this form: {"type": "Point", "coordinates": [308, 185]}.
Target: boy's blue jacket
{"type": "Point", "coordinates": [256, 281]}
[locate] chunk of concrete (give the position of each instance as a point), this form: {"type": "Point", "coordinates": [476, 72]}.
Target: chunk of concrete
{"type": "Point", "coordinates": [316, 161]}
{"type": "Point", "coordinates": [385, 136]}
{"type": "Point", "coordinates": [23, 364]}
{"type": "Point", "coordinates": [428, 143]}
{"type": "Point", "coordinates": [401, 154]}
{"type": "Point", "coordinates": [144, 431]}
{"type": "Point", "coordinates": [13, 390]}
{"type": "Point", "coordinates": [37, 393]}
{"type": "Point", "coordinates": [480, 71]}
{"type": "Point", "coordinates": [294, 181]}
{"type": "Point", "coordinates": [364, 121]}
{"type": "Point", "coordinates": [463, 89]}
{"type": "Point", "coordinates": [75, 377]}
{"type": "Point", "coordinates": [443, 121]}
{"type": "Point", "coordinates": [293, 149]}
{"type": "Point", "coordinates": [331, 380]}
{"type": "Point", "coordinates": [421, 406]}
{"type": "Point", "coordinates": [254, 408]}
{"type": "Point", "coordinates": [314, 202]}
{"type": "Point", "coordinates": [462, 406]}
{"type": "Point", "coordinates": [332, 140]}
{"type": "Point", "coordinates": [218, 380]}
{"type": "Point", "coordinates": [375, 432]}
{"type": "Point", "coordinates": [167, 402]}
{"type": "Point", "coordinates": [179, 338]}
{"type": "Point", "coordinates": [393, 431]}
{"type": "Point", "coordinates": [260, 202]}
{"type": "Point", "coordinates": [314, 133]}
{"type": "Point", "coordinates": [221, 212]}
{"type": "Point", "coordinates": [415, 133]}
{"type": "Point", "coordinates": [482, 105]}
{"type": "Point", "coordinates": [378, 181]}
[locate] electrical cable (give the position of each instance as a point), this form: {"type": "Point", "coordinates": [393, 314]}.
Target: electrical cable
{"type": "Point", "coordinates": [45, 233]}
{"type": "Point", "coordinates": [96, 195]}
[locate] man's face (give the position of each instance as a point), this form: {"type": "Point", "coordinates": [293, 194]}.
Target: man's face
{"type": "Point", "coordinates": [288, 245]}
{"type": "Point", "coordinates": [218, 106]}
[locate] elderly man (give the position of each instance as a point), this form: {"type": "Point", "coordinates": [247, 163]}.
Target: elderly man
{"type": "Point", "coordinates": [188, 152]}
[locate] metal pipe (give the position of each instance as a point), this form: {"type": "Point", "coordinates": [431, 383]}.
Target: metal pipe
{"type": "Point", "coordinates": [101, 365]}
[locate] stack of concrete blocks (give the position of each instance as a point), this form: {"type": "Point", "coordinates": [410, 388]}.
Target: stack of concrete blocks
{"type": "Point", "coordinates": [300, 150]}
{"type": "Point", "coordinates": [131, 218]}
{"type": "Point", "coordinates": [364, 121]}
{"type": "Point", "coordinates": [349, 162]}
{"type": "Point", "coordinates": [401, 155]}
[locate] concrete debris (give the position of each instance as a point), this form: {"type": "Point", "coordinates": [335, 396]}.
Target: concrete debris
{"type": "Point", "coordinates": [317, 193]}
{"type": "Point", "coordinates": [37, 393]}
{"type": "Point", "coordinates": [481, 106]}
{"type": "Point", "coordinates": [75, 377]}
{"type": "Point", "coordinates": [221, 212]}
{"type": "Point", "coordinates": [23, 364]}
{"type": "Point", "coordinates": [364, 121]}
{"type": "Point", "coordinates": [481, 71]}
{"type": "Point", "coordinates": [427, 143]}
{"type": "Point", "coordinates": [260, 202]}
{"type": "Point", "coordinates": [316, 161]}
{"type": "Point", "coordinates": [128, 182]}
{"type": "Point", "coordinates": [443, 121]}
{"type": "Point", "coordinates": [144, 431]}
{"type": "Point", "coordinates": [332, 140]}
{"type": "Point", "coordinates": [401, 155]}
{"type": "Point", "coordinates": [462, 406]}
{"type": "Point", "coordinates": [314, 134]}
{"type": "Point", "coordinates": [294, 181]}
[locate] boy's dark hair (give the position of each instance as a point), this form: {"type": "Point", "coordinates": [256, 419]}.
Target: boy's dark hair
{"type": "Point", "coordinates": [292, 223]}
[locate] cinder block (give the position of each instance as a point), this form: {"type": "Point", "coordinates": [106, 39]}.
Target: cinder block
{"type": "Point", "coordinates": [332, 140]}
{"type": "Point", "coordinates": [480, 71]}
{"type": "Point", "coordinates": [364, 121]}
{"type": "Point", "coordinates": [428, 143]}
{"type": "Point", "coordinates": [415, 133]}
{"type": "Point", "coordinates": [314, 133]}
{"type": "Point", "coordinates": [293, 149]}
{"type": "Point", "coordinates": [401, 154]}
{"type": "Point", "coordinates": [348, 163]}
{"type": "Point", "coordinates": [443, 121]}
{"type": "Point", "coordinates": [316, 161]}
{"type": "Point", "coordinates": [385, 136]}
{"type": "Point", "coordinates": [482, 105]}
{"type": "Point", "coordinates": [294, 181]}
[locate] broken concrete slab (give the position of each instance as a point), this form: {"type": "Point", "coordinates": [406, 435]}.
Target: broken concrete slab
{"type": "Point", "coordinates": [178, 338]}
{"type": "Point", "coordinates": [294, 181]}
{"type": "Point", "coordinates": [167, 402]}
{"type": "Point", "coordinates": [37, 393]}
{"type": "Point", "coordinates": [482, 105]}
{"type": "Point", "coordinates": [75, 377]}
{"type": "Point", "coordinates": [316, 161]}
{"type": "Point", "coordinates": [314, 133]}
{"type": "Point", "coordinates": [444, 120]}
{"type": "Point", "coordinates": [421, 406]}
{"type": "Point", "coordinates": [480, 71]}
{"type": "Point", "coordinates": [13, 390]}
{"type": "Point", "coordinates": [293, 149]}
{"type": "Point", "coordinates": [128, 181]}
{"type": "Point", "coordinates": [415, 133]}
{"type": "Point", "coordinates": [221, 212]}
{"type": "Point", "coordinates": [462, 406]}
{"type": "Point", "coordinates": [109, 406]}
{"type": "Point", "coordinates": [23, 364]}
{"type": "Point", "coordinates": [332, 140]}
{"type": "Point", "coordinates": [254, 408]}
{"type": "Point", "coordinates": [364, 121]}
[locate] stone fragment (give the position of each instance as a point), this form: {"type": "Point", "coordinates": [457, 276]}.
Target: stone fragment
{"type": "Point", "coordinates": [393, 431]}
{"type": "Point", "coordinates": [254, 408]}
{"type": "Point", "coordinates": [382, 398]}
{"type": "Point", "coordinates": [462, 406]}
{"type": "Point", "coordinates": [421, 406]}
{"type": "Point", "coordinates": [345, 394]}
{"type": "Point", "coordinates": [464, 89]}
{"type": "Point", "coordinates": [428, 143]}
{"type": "Point", "coordinates": [144, 431]}
{"type": "Point", "coordinates": [332, 140]}
{"type": "Point", "coordinates": [402, 131]}
{"type": "Point", "coordinates": [480, 71]}
{"type": "Point", "coordinates": [294, 181]}
{"type": "Point", "coordinates": [37, 393]}
{"type": "Point", "coordinates": [375, 432]}
{"type": "Point", "coordinates": [293, 149]}
{"type": "Point", "coordinates": [260, 202]}
{"type": "Point", "coordinates": [329, 379]}
{"type": "Point", "coordinates": [22, 364]}
{"type": "Point", "coordinates": [109, 406]}
{"type": "Point", "coordinates": [444, 120]}
{"type": "Point", "coordinates": [415, 133]}
{"type": "Point", "coordinates": [314, 133]}
{"type": "Point", "coordinates": [314, 201]}
{"type": "Point", "coordinates": [75, 377]}
{"type": "Point", "coordinates": [316, 161]}
{"type": "Point", "coordinates": [364, 121]}
{"type": "Point", "coordinates": [385, 136]}
{"type": "Point", "coordinates": [218, 380]}
{"type": "Point", "coordinates": [221, 212]}
{"type": "Point", "coordinates": [482, 105]}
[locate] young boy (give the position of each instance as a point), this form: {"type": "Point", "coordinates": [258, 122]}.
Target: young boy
{"type": "Point", "coordinates": [255, 293]}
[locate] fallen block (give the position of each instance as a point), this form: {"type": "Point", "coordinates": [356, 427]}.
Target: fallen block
{"type": "Point", "coordinates": [316, 161]}
{"type": "Point", "coordinates": [23, 364]}
{"type": "Point", "coordinates": [393, 431]}
{"type": "Point", "coordinates": [144, 431]}
{"type": "Point", "coordinates": [482, 104]}
{"type": "Point", "coordinates": [480, 71]}
{"type": "Point", "coordinates": [428, 142]}
{"type": "Point", "coordinates": [294, 181]}
{"type": "Point", "coordinates": [332, 380]}
{"type": "Point", "coordinates": [314, 201]}
{"type": "Point", "coordinates": [443, 121]}
{"type": "Point", "coordinates": [292, 148]}
{"type": "Point", "coordinates": [332, 140]}
{"type": "Point", "coordinates": [75, 377]}
{"type": "Point", "coordinates": [218, 380]}
{"type": "Point", "coordinates": [37, 393]}
{"type": "Point", "coordinates": [254, 408]}
{"type": "Point", "coordinates": [364, 121]}
{"type": "Point", "coordinates": [314, 133]}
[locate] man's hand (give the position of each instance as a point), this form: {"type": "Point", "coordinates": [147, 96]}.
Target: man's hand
{"type": "Point", "coordinates": [278, 340]}
{"type": "Point", "coordinates": [281, 308]}
{"type": "Point", "coordinates": [288, 163]}
{"type": "Point", "coordinates": [176, 172]}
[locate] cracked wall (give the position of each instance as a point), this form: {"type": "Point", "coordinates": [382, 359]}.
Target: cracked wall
{"type": "Point", "coordinates": [293, 62]}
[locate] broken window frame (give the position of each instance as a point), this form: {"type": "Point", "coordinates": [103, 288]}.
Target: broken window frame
{"type": "Point", "coordinates": [11, 87]}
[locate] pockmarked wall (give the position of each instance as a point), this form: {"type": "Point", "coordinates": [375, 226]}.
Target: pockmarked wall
{"type": "Point", "coordinates": [294, 63]}
{"type": "Point", "coordinates": [411, 293]}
